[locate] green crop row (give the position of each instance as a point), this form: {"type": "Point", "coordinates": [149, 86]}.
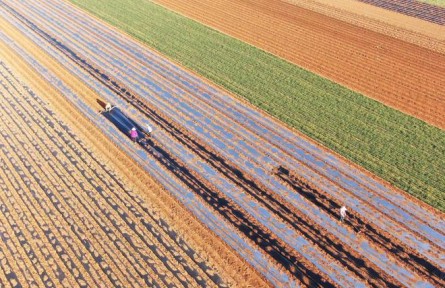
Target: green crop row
{"type": "Point", "coordinates": [440, 3]}
{"type": "Point", "coordinates": [399, 148]}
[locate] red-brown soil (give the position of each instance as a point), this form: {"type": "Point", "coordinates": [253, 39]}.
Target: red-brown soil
{"type": "Point", "coordinates": [399, 74]}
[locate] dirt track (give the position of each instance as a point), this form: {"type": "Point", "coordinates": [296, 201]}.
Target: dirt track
{"type": "Point", "coordinates": [289, 228]}
{"type": "Point", "coordinates": [401, 75]}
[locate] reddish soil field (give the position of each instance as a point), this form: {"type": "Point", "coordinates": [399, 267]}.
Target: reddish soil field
{"type": "Point", "coordinates": [399, 74]}
{"type": "Point", "coordinates": [268, 199]}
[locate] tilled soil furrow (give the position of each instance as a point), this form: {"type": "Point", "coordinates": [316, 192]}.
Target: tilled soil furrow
{"type": "Point", "coordinates": [52, 238]}
{"type": "Point", "coordinates": [13, 265]}
{"type": "Point", "coordinates": [31, 270]}
{"type": "Point", "coordinates": [56, 236]}
{"type": "Point", "coordinates": [82, 185]}
{"type": "Point", "coordinates": [407, 257]}
{"type": "Point", "coordinates": [123, 214]}
{"type": "Point", "coordinates": [113, 203]}
{"type": "Point", "coordinates": [8, 262]}
{"type": "Point", "coordinates": [44, 253]}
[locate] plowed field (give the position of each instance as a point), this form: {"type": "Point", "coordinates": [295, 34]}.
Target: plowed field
{"type": "Point", "coordinates": [425, 11]}
{"type": "Point", "coordinates": [261, 189]}
{"type": "Point", "coordinates": [68, 220]}
{"type": "Point", "coordinates": [398, 74]}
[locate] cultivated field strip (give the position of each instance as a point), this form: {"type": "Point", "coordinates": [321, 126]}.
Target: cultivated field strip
{"type": "Point", "coordinates": [126, 224]}
{"type": "Point", "coordinates": [331, 48]}
{"type": "Point", "coordinates": [137, 87]}
{"type": "Point", "coordinates": [424, 11]}
{"type": "Point", "coordinates": [250, 253]}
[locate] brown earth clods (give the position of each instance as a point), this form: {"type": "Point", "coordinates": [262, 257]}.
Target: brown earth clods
{"type": "Point", "coordinates": [175, 243]}
{"type": "Point", "coordinates": [399, 74]}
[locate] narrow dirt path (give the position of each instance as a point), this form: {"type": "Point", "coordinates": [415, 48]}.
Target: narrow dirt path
{"type": "Point", "coordinates": [398, 74]}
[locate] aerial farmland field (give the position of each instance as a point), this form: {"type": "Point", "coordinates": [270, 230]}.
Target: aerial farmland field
{"type": "Point", "coordinates": [267, 117]}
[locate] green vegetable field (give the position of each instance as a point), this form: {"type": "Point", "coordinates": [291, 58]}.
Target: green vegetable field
{"type": "Point", "coordinates": [405, 151]}
{"type": "Point", "coordinates": [440, 3]}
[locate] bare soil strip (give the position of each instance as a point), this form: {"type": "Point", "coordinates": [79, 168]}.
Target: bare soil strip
{"type": "Point", "coordinates": [99, 173]}
{"type": "Point", "coordinates": [424, 11]}
{"type": "Point", "coordinates": [396, 73]}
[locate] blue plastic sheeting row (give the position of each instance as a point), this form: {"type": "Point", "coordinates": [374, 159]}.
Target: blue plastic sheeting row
{"type": "Point", "coordinates": [122, 121]}
{"type": "Point", "coordinates": [188, 198]}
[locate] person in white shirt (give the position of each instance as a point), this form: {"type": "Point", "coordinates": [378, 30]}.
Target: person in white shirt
{"type": "Point", "coordinates": [342, 213]}
{"type": "Point", "coordinates": [149, 130]}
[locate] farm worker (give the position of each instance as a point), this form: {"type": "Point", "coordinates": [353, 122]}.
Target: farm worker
{"type": "Point", "coordinates": [342, 213]}
{"type": "Point", "coordinates": [108, 107]}
{"type": "Point", "coordinates": [133, 134]}
{"type": "Point", "coordinates": [149, 130]}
